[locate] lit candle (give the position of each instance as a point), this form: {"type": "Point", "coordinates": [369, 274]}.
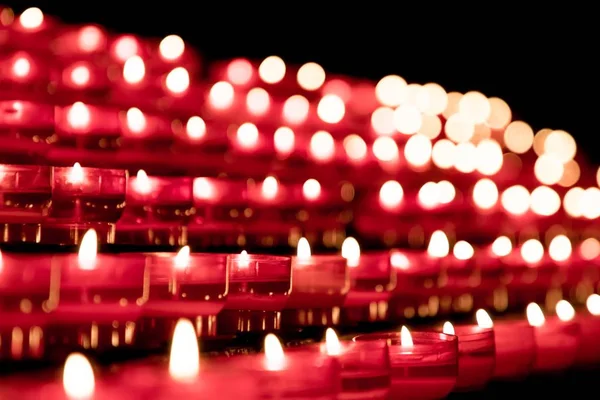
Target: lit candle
{"type": "Point", "coordinates": [476, 350]}
{"type": "Point", "coordinates": [319, 285]}
{"type": "Point", "coordinates": [556, 338]}
{"type": "Point", "coordinates": [26, 193]}
{"type": "Point", "coordinates": [424, 364]}
{"type": "Point", "coordinates": [372, 279]}
{"type": "Point", "coordinates": [589, 346]}
{"type": "Point", "coordinates": [365, 368]}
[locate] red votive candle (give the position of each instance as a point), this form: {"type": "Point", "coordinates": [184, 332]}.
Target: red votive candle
{"type": "Point", "coordinates": [185, 285]}
{"type": "Point", "coordinates": [100, 298]}
{"type": "Point", "coordinates": [589, 322]}
{"type": "Point", "coordinates": [515, 349]}
{"type": "Point", "coordinates": [259, 289]}
{"type": "Point", "coordinates": [80, 42]}
{"type": "Point", "coordinates": [319, 285]}
{"type": "Point", "coordinates": [26, 193]}
{"type": "Point", "coordinates": [365, 367]}
{"type": "Point", "coordinates": [87, 126]}
{"type": "Point", "coordinates": [424, 365]}
{"type": "Point", "coordinates": [372, 279]}
{"type": "Point", "coordinates": [293, 374]}
{"type": "Point", "coordinates": [476, 355]}
{"type": "Point", "coordinates": [25, 118]}
{"type": "Point", "coordinates": [557, 338]}
{"type": "Point", "coordinates": [26, 289]}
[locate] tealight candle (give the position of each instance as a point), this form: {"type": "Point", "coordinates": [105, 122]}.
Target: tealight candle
{"type": "Point", "coordinates": [424, 364]}
{"type": "Point", "coordinates": [589, 346]}
{"type": "Point", "coordinates": [185, 285]}
{"type": "Point", "coordinates": [515, 349]}
{"type": "Point", "coordinates": [319, 285]}
{"type": "Point", "coordinates": [100, 297]}
{"type": "Point", "coordinates": [365, 367]}
{"type": "Point", "coordinates": [476, 352]}
{"type": "Point", "coordinates": [372, 279]}
{"type": "Point", "coordinates": [259, 288]}
{"type": "Point", "coordinates": [557, 338]}
{"type": "Point", "coordinates": [26, 193]}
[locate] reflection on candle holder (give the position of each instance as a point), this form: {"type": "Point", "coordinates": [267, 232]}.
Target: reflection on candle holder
{"type": "Point", "coordinates": [193, 286]}
{"type": "Point", "coordinates": [259, 288]}
{"type": "Point", "coordinates": [26, 289]}
{"type": "Point", "coordinates": [426, 369]}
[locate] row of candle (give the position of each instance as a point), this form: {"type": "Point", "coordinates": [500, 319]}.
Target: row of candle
{"type": "Point", "coordinates": [424, 364]}
{"type": "Point", "coordinates": [133, 298]}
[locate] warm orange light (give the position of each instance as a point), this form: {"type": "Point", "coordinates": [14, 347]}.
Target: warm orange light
{"type": "Point", "coordinates": [126, 47]}
{"type": "Point", "coordinates": [322, 146]}
{"type": "Point", "coordinates": [91, 38]}
{"type": "Point", "coordinates": [500, 114]}
{"type": "Point", "coordinates": [516, 200]}
{"type": "Point", "coordinates": [136, 120]}
{"type": "Point", "coordinates": [390, 195]}
{"type": "Point", "coordinates": [407, 119]}
{"type": "Point", "coordinates": [418, 150]}
{"type": "Point", "coordinates": [560, 248]}
{"type": "Point", "coordinates": [142, 184]}
{"type": "Point", "coordinates": [195, 128]}
{"type": "Point", "coordinates": [272, 70]}
{"type": "Point", "coordinates": [355, 147]}
{"type": "Point", "coordinates": [88, 250]}
{"type": "Point", "coordinates": [274, 355]}
{"type": "Point", "coordinates": [544, 201]}
{"type": "Point", "coordinates": [590, 249]}
{"type": "Point", "coordinates": [184, 358]}
{"type": "Point", "coordinates": [429, 195]}
{"type": "Point", "coordinates": [239, 72]}
{"type": "Point", "coordinates": [518, 137]}
{"type": "Point", "coordinates": [532, 251]}
{"type": "Point", "coordinates": [561, 145]}
{"type": "Point", "coordinates": [565, 311]}
{"type": "Point", "coordinates": [171, 47]}
{"type": "Point", "coordinates": [351, 251]}
{"type": "Point", "coordinates": [483, 319]}
{"type": "Point", "coordinates": [178, 80]}
{"type": "Point", "coordinates": [382, 121]}
{"type": "Point", "coordinates": [311, 189]}
{"type": "Point", "coordinates": [485, 194]}
{"type": "Point", "coordinates": [270, 187]}
{"type": "Point", "coordinates": [182, 259]}
{"type": "Point", "coordinates": [221, 95]}
{"type": "Point", "coordinates": [475, 107]}
{"type": "Point", "coordinates": [134, 70]}
{"type": "Point", "coordinates": [465, 157]}
{"type": "Point", "coordinates": [446, 192]}
{"type": "Point", "coordinates": [79, 116]}
{"type": "Point", "coordinates": [21, 67]}
{"type": "Point", "coordinates": [406, 340]}
{"type": "Point", "coordinates": [247, 135]}
{"type": "Point", "coordinates": [548, 169]}
{"type": "Point", "coordinates": [311, 76]}
{"type": "Point", "coordinates": [32, 18]}
{"type": "Point", "coordinates": [331, 109]}
{"type": "Point", "coordinates": [76, 174]}
{"type": "Point", "coordinates": [459, 128]}
{"type": "Point", "coordinates": [284, 140]}
{"type": "Point", "coordinates": [303, 252]}
{"type": "Point", "coordinates": [571, 174]}
{"type": "Point", "coordinates": [295, 109]}
{"type": "Point", "coordinates": [243, 260]}
{"type": "Point", "coordinates": [443, 154]}
{"type": "Point", "coordinates": [489, 157]}
{"type": "Point", "coordinates": [432, 99]}
{"type": "Point", "coordinates": [399, 260]}
{"type": "Point", "coordinates": [463, 250]}
{"type": "Point", "coordinates": [385, 149]}
{"type": "Point", "coordinates": [80, 75]}
{"type": "Point", "coordinates": [78, 377]}
{"type": "Point", "coordinates": [572, 201]}
{"type": "Point", "coordinates": [391, 91]}
{"type": "Point", "coordinates": [593, 304]}
{"type": "Point", "coordinates": [332, 343]}
{"type": "Point", "coordinates": [535, 315]}
{"type": "Point", "coordinates": [502, 246]}
{"type": "Point", "coordinates": [204, 189]}
{"type": "Point", "coordinates": [448, 328]}
{"type": "Point", "coordinates": [539, 141]}
{"type": "Point", "coordinates": [431, 126]}
{"type": "Point", "coordinates": [438, 245]}
{"type": "Point", "coordinates": [258, 101]}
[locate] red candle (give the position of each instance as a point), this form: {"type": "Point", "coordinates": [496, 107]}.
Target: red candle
{"type": "Point", "coordinates": [557, 338]}
{"type": "Point", "coordinates": [24, 118]}
{"type": "Point", "coordinates": [26, 290]}
{"type": "Point", "coordinates": [589, 322]}
{"type": "Point", "coordinates": [89, 126]}
{"type": "Point", "coordinates": [26, 193]}
{"type": "Point", "coordinates": [319, 286]}
{"type": "Point", "coordinates": [185, 285]}
{"type": "Point", "coordinates": [365, 367]}
{"type": "Point", "coordinates": [515, 349]}
{"type": "Point", "coordinates": [259, 288]}
{"type": "Point", "coordinates": [476, 355]}
{"type": "Point", "coordinates": [100, 296]}
{"type": "Point", "coordinates": [424, 364]}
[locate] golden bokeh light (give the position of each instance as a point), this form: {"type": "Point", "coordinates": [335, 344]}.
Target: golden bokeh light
{"type": "Point", "coordinates": [500, 113]}
{"type": "Point", "coordinates": [518, 137]}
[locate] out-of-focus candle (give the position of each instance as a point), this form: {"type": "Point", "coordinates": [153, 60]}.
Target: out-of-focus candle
{"type": "Point", "coordinates": [26, 193]}
{"type": "Point", "coordinates": [589, 346]}
{"type": "Point", "coordinates": [365, 367]}
{"type": "Point", "coordinates": [476, 353]}
{"type": "Point", "coordinates": [556, 338]}
{"type": "Point", "coordinates": [515, 349]}
{"type": "Point", "coordinates": [424, 364]}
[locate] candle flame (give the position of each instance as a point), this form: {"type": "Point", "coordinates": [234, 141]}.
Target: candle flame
{"type": "Point", "coordinates": [142, 183]}
{"type": "Point", "coordinates": [76, 174]}
{"type": "Point", "coordinates": [351, 251]}
{"type": "Point", "coordinates": [399, 260]}
{"type": "Point", "coordinates": [182, 258]}
{"type": "Point", "coordinates": [203, 189]}
{"type": "Point", "coordinates": [592, 303]}
{"type": "Point", "coordinates": [303, 250]}
{"type": "Point", "coordinates": [532, 251]}
{"type": "Point", "coordinates": [78, 377]}
{"type": "Point", "coordinates": [565, 311]}
{"type": "Point", "coordinates": [438, 245]}
{"type": "Point", "coordinates": [274, 355]}
{"type": "Point", "coordinates": [463, 250]}
{"type": "Point", "coordinates": [184, 359]}
{"type": "Point", "coordinates": [244, 259]}
{"type": "Point", "coordinates": [560, 248]}
{"type": "Point", "coordinates": [136, 120]}
{"type": "Point", "coordinates": [535, 315]}
{"type": "Point", "coordinates": [502, 246]}
{"type": "Point", "coordinates": [483, 319]}
{"type": "Point", "coordinates": [406, 339]}
{"type": "Point", "coordinates": [88, 250]}
{"type": "Point", "coordinates": [269, 188]}
{"type": "Point", "coordinates": [332, 343]}
{"type": "Point", "coordinates": [448, 328]}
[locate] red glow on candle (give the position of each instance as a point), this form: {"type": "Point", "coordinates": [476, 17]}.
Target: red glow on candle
{"type": "Point", "coordinates": [184, 357]}
{"type": "Point", "coordinates": [76, 174]}
{"type": "Point", "coordinates": [78, 377]}
{"type": "Point", "coordinates": [88, 250]}
{"type": "Point", "coordinates": [272, 70]}
{"type": "Point", "coordinates": [258, 101]}
{"type": "Point", "coordinates": [171, 47]}
{"type": "Point", "coordinates": [295, 109]}
{"type": "Point", "coordinates": [32, 19]}
{"type": "Point", "coordinates": [79, 116]}
{"type": "Point", "coordinates": [339, 88]}
{"type": "Point", "coordinates": [195, 128]}
{"type": "Point", "coordinates": [284, 140]}
{"type": "Point", "coordinates": [221, 95]}
{"type": "Point", "coordinates": [91, 39]}
{"type": "Point", "coordinates": [240, 71]}
{"type": "Point", "coordinates": [125, 47]}
{"type": "Point", "coordinates": [311, 189]}
{"type": "Point", "coordinates": [247, 135]}
{"type": "Point", "coordinates": [391, 195]}
{"type": "Point", "coordinates": [134, 70]}
{"type": "Point", "coordinates": [331, 109]}
{"type": "Point", "coordinates": [136, 120]}
{"type": "Point", "coordinates": [322, 146]}
{"type": "Point", "coordinates": [178, 81]}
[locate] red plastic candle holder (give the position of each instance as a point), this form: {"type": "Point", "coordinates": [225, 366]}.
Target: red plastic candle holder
{"type": "Point", "coordinates": [476, 357]}
{"type": "Point", "coordinates": [557, 343]}
{"type": "Point", "coordinates": [515, 349]}
{"type": "Point", "coordinates": [426, 370]}
{"type": "Point", "coordinates": [372, 279]}
{"type": "Point", "coordinates": [26, 290]}
{"type": "Point", "coordinates": [87, 126]}
{"type": "Point", "coordinates": [589, 347]}
{"type": "Point", "coordinates": [319, 286]}
{"type": "Point", "coordinates": [99, 303]}
{"type": "Point", "coordinates": [26, 193]}
{"type": "Point", "coordinates": [259, 289]}
{"type": "Point", "coordinates": [194, 288]}
{"type": "Point", "coordinates": [527, 283]}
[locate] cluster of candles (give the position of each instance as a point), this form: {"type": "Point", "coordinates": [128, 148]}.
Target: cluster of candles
{"type": "Point", "coordinates": [260, 155]}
